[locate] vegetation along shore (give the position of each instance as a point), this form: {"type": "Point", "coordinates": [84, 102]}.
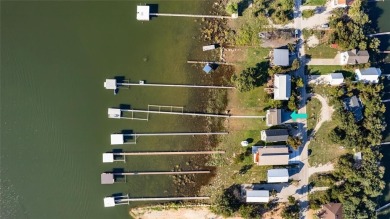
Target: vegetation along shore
{"type": "Point", "coordinates": [290, 59]}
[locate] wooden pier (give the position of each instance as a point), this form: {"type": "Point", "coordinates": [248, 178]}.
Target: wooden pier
{"type": "Point", "coordinates": [378, 34]}
{"type": "Point", "coordinates": [175, 85]}
{"type": "Point", "coordinates": [209, 62]}
{"type": "Point", "coordinates": [122, 200]}
{"type": "Point", "coordinates": [190, 15]}
{"type": "Point", "coordinates": [110, 157]}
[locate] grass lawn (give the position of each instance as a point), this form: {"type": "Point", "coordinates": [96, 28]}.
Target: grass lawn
{"type": "Point", "coordinates": [321, 51]}
{"type": "Point", "coordinates": [254, 55]}
{"type": "Point", "coordinates": [326, 69]}
{"type": "Point", "coordinates": [314, 2]}
{"type": "Point", "coordinates": [313, 111]}
{"type": "Point", "coordinates": [321, 149]}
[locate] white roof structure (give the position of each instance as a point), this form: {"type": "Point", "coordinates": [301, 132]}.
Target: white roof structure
{"type": "Point", "coordinates": [209, 47]}
{"type": "Point", "coordinates": [110, 84]}
{"type": "Point", "coordinates": [261, 196]}
{"type": "Point", "coordinates": [117, 139]}
{"type": "Point", "coordinates": [277, 176]}
{"type": "Point", "coordinates": [281, 57]}
{"type": "Point", "coordinates": [336, 78]}
{"type": "Point", "coordinates": [282, 86]}
{"type": "Point", "coordinates": [108, 157]}
{"type": "Point", "coordinates": [143, 12]}
{"type": "Point", "coordinates": [107, 178]}
{"type": "Point", "coordinates": [368, 74]}
{"type": "Point", "coordinates": [114, 113]}
{"type": "Point", "coordinates": [109, 202]}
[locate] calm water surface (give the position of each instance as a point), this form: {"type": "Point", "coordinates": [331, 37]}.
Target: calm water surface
{"type": "Point", "coordinates": [55, 57]}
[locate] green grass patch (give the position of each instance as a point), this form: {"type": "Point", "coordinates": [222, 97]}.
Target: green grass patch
{"type": "Point", "coordinates": [323, 69]}
{"type": "Point", "coordinates": [308, 13]}
{"type": "Point", "coordinates": [322, 50]}
{"type": "Point", "coordinates": [322, 149]}
{"type": "Point", "coordinates": [313, 111]}
{"type": "Point", "coordinates": [316, 199]}
{"type": "Point", "coordinates": [314, 2]}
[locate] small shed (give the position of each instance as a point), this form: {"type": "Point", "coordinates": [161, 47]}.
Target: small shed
{"type": "Point", "coordinates": [336, 78]}
{"type": "Point", "coordinates": [114, 113]}
{"type": "Point", "coordinates": [117, 139]}
{"type": "Point", "coordinates": [109, 202]}
{"type": "Point", "coordinates": [257, 196]}
{"type": "Point", "coordinates": [107, 178]}
{"type": "Point", "coordinates": [110, 84]}
{"type": "Point", "coordinates": [143, 12]}
{"type": "Point", "coordinates": [108, 157]}
{"type": "Point", "coordinates": [207, 68]}
{"type": "Point", "coordinates": [277, 176]}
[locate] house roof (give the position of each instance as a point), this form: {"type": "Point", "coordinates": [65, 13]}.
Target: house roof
{"type": "Point", "coordinates": [281, 57]}
{"type": "Point", "coordinates": [352, 104]}
{"type": "Point", "coordinates": [282, 86]}
{"type": "Point", "coordinates": [273, 155]}
{"type": "Point", "coordinates": [257, 196]}
{"type": "Point", "coordinates": [273, 117]}
{"type": "Point", "coordinates": [336, 76]}
{"type": "Point", "coordinates": [274, 135]}
{"type": "Point", "coordinates": [369, 71]}
{"type": "Point", "coordinates": [277, 175]}
{"type": "Point", "coordinates": [333, 211]}
{"type": "Point", "coordinates": [359, 57]}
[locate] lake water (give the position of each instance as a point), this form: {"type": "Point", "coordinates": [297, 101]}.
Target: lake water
{"type": "Point", "coordinates": [55, 57]}
{"type": "Point", "coordinates": [380, 16]}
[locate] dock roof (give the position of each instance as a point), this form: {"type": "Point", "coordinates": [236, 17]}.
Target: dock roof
{"type": "Point", "coordinates": [143, 12]}
{"type": "Point", "coordinates": [117, 139]}
{"type": "Point", "coordinates": [114, 113]}
{"type": "Point", "coordinates": [109, 201]}
{"type": "Point", "coordinates": [207, 68]}
{"type": "Point", "coordinates": [108, 157]}
{"type": "Point", "coordinates": [110, 84]}
{"type": "Point", "coordinates": [107, 178]}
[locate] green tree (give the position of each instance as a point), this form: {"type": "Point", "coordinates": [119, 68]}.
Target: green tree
{"type": "Point", "coordinates": [232, 8]}
{"type": "Point", "coordinates": [299, 82]}
{"type": "Point", "coordinates": [295, 65]}
{"type": "Point", "coordinates": [291, 211]}
{"type": "Point", "coordinates": [294, 142]}
{"type": "Point", "coordinates": [246, 81]}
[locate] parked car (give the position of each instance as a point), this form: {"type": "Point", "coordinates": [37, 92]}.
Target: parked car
{"type": "Point", "coordinates": [325, 26]}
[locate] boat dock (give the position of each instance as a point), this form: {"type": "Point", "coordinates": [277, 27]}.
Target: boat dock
{"type": "Point", "coordinates": [116, 113]}
{"type": "Point", "coordinates": [109, 178]}
{"type": "Point", "coordinates": [119, 139]}
{"type": "Point", "coordinates": [123, 200]}
{"type": "Point", "coordinates": [143, 14]}
{"type": "Point", "coordinates": [110, 157]}
{"type": "Point", "coordinates": [112, 84]}
{"type": "Point", "coordinates": [209, 62]}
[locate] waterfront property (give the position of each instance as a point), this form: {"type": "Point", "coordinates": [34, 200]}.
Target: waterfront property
{"type": "Point", "coordinates": [271, 155]}
{"type": "Point", "coordinates": [282, 86]}
{"type": "Point", "coordinates": [273, 117]}
{"type": "Point", "coordinates": [274, 135]}
{"type": "Point", "coordinates": [353, 105]}
{"type": "Point", "coordinates": [370, 75]}
{"type": "Point", "coordinates": [277, 176]}
{"type": "Point", "coordinates": [281, 57]}
{"type": "Point", "coordinates": [354, 57]}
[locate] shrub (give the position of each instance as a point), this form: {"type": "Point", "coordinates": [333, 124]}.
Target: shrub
{"type": "Point", "coordinates": [308, 13]}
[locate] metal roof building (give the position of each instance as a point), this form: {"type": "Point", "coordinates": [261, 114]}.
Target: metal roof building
{"type": "Point", "coordinates": [282, 86]}
{"type": "Point", "coordinates": [143, 12]}
{"type": "Point", "coordinates": [336, 78]}
{"type": "Point", "coordinates": [117, 139]}
{"type": "Point", "coordinates": [281, 57]}
{"type": "Point", "coordinates": [270, 155]}
{"type": "Point", "coordinates": [107, 178]}
{"type": "Point", "coordinates": [277, 176]}
{"type": "Point", "coordinates": [108, 157]}
{"type": "Point", "coordinates": [259, 196]}
{"type": "Point", "coordinates": [109, 201]}
{"type": "Point", "coordinates": [368, 74]}
{"type": "Point", "coordinates": [274, 135]}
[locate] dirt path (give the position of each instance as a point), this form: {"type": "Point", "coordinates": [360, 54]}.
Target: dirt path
{"type": "Point", "coordinates": [184, 213]}
{"type": "Point", "coordinates": [326, 112]}
{"type": "Point", "coordinates": [321, 169]}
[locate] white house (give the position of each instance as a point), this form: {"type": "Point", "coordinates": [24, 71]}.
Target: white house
{"type": "Point", "coordinates": [368, 74]}
{"type": "Point", "coordinates": [277, 176]}
{"type": "Point", "coordinates": [336, 78]}
{"type": "Point", "coordinates": [354, 57]}
{"type": "Point", "coordinates": [282, 86]}
{"type": "Point", "coordinates": [257, 196]}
